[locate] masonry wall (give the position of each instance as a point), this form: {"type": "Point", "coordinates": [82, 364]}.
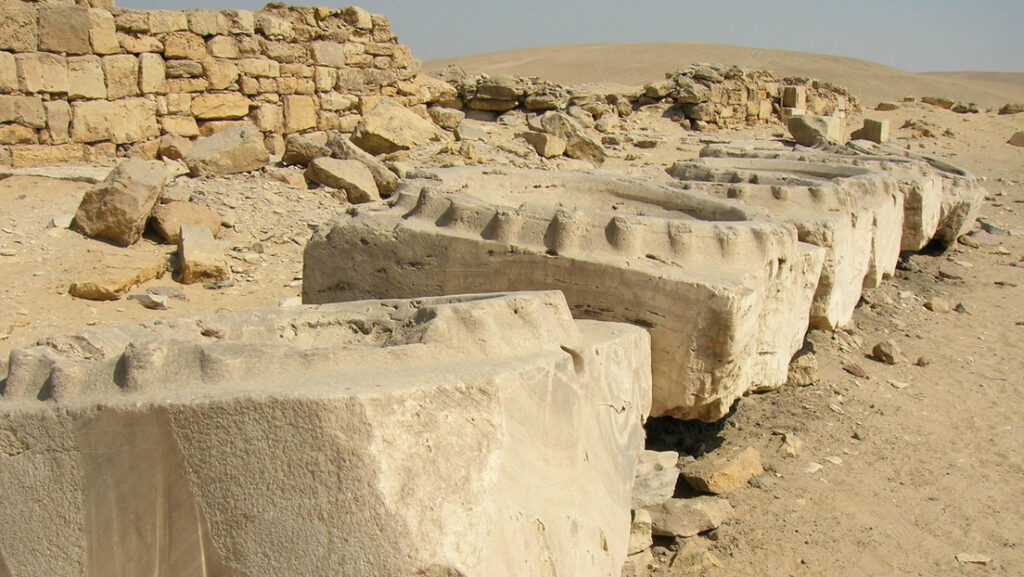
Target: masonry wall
{"type": "Point", "coordinates": [81, 82]}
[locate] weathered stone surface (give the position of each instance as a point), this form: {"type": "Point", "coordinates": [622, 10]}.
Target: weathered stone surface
{"type": "Point", "coordinates": [118, 273]}
{"type": "Point", "coordinates": [42, 72]}
{"type": "Point", "coordinates": [654, 480]}
{"type": "Point", "coordinates": [887, 352]}
{"type": "Point", "coordinates": [546, 145]}
{"type": "Point", "coordinates": [688, 517]}
{"type": "Point", "coordinates": [721, 474]}
{"type": "Point", "coordinates": [139, 44]}
{"type": "Point", "coordinates": [237, 149]}
{"type": "Point", "coordinates": [164, 21]}
{"type": "Point", "coordinates": [122, 122]}
{"type": "Point", "coordinates": [579, 144]}
{"type": "Point", "coordinates": [19, 28]}
{"type": "Point", "coordinates": [390, 127]}
{"type": "Point", "coordinates": [46, 154]}
{"type": "Point", "coordinates": [348, 175]}
{"type": "Point", "coordinates": [58, 121]}
{"type": "Point", "coordinates": [221, 73]}
{"type": "Point", "coordinates": [343, 149]}
{"type": "Point", "coordinates": [102, 32]}
{"type": "Point", "coordinates": [640, 536]}
{"type": "Point", "coordinates": [85, 78]}
{"type": "Point", "coordinates": [184, 45]}
{"type": "Point", "coordinates": [794, 96]}
{"type": "Point", "coordinates": [206, 22]}
{"type": "Point", "coordinates": [269, 408]}
{"type": "Point", "coordinates": [117, 208]}
{"type": "Point", "coordinates": [17, 134]}
{"type": "Point", "coordinates": [815, 130]}
{"type": "Point", "coordinates": [1017, 139]}
{"type": "Point", "coordinates": [27, 110]}
{"type": "Point", "coordinates": [201, 258]}
{"type": "Point", "coordinates": [152, 74]}
{"type": "Point", "coordinates": [64, 28]}
{"type": "Point", "coordinates": [873, 130]}
{"type": "Point", "coordinates": [299, 113]}
{"type": "Point", "coordinates": [447, 118]}
{"type": "Point", "coordinates": [716, 333]}
{"type": "Point", "coordinates": [168, 218]}
{"type": "Point", "coordinates": [122, 75]}
{"type": "Point", "coordinates": [8, 73]}
{"type": "Point", "coordinates": [301, 150]}
{"type": "Point", "coordinates": [220, 106]}
{"type": "Point", "coordinates": [887, 106]}
{"type": "Point", "coordinates": [174, 147]}
{"type": "Point", "coordinates": [179, 126]}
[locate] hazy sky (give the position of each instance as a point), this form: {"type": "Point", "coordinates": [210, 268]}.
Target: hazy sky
{"type": "Point", "coordinates": [918, 35]}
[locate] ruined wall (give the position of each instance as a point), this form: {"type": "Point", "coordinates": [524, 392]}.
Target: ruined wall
{"type": "Point", "coordinates": [83, 82]}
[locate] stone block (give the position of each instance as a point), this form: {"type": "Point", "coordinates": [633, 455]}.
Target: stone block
{"type": "Point", "coordinates": [343, 148]}
{"type": "Point", "coordinates": [1017, 139]}
{"type": "Point", "coordinates": [335, 101]}
{"type": "Point", "coordinates": [121, 72]}
{"type": "Point", "coordinates": [17, 134]}
{"type": "Point", "coordinates": [448, 118]}
{"type": "Point", "coordinates": [58, 121]}
{"type": "Point", "coordinates": [173, 147]}
{"type": "Point", "coordinates": [180, 125]}
{"type": "Point", "coordinates": [259, 67]}
{"type": "Point", "coordinates": [809, 130]}
{"type": "Point", "coordinates": [168, 218]}
{"type": "Point", "coordinates": [220, 106]}
{"type": "Point", "coordinates": [329, 54]}
{"type": "Point", "coordinates": [117, 208]}
{"type": "Point", "coordinates": [390, 127]}
{"type": "Point", "coordinates": [301, 150]}
{"type": "Point", "coordinates": [578, 144]}
{"type": "Point", "coordinates": [221, 73]}
{"type": "Point", "coordinates": [64, 28]}
{"type": "Point", "coordinates": [211, 127]}
{"type": "Point", "coordinates": [689, 517]}
{"type": "Point", "coordinates": [184, 45]}
{"type": "Point", "coordinates": [700, 284]}
{"type": "Point", "coordinates": [42, 72]}
{"type": "Point", "coordinates": [874, 130]}
{"type": "Point", "coordinates": [286, 427]}
{"type": "Point", "coordinates": [299, 113]}
{"type": "Point", "coordinates": [86, 78]}
{"type": "Point", "coordinates": [132, 21]}
{"type": "Point", "coordinates": [286, 51]}
{"type": "Point", "coordinates": [239, 21]}
{"type": "Point", "coordinates": [350, 176]}
{"type": "Point", "coordinates": [165, 21]}
{"type": "Point", "coordinates": [122, 122]}
{"type": "Point", "coordinates": [19, 28]}
{"type": "Point", "coordinates": [722, 473]}
{"type": "Point", "coordinates": [237, 149]}
{"type": "Point", "coordinates": [654, 479]}
{"type": "Point", "coordinates": [174, 103]}
{"type": "Point", "coordinates": [27, 110]}
{"type": "Point", "coordinates": [794, 96]}
{"type": "Point", "coordinates": [102, 32]}
{"type": "Point", "coordinates": [152, 74]}
{"type": "Point", "coordinates": [185, 69]}
{"type": "Point", "coordinates": [272, 27]}
{"type": "Point", "coordinates": [116, 274]}
{"type": "Point", "coordinates": [268, 117]}
{"type": "Point", "coordinates": [206, 22]}
{"type": "Point", "coordinates": [222, 47]}
{"type": "Point", "coordinates": [201, 258]}
{"type": "Point", "coordinates": [139, 44]}
{"type": "Point", "coordinates": [546, 145]}
{"type": "Point", "coordinates": [8, 73]}
{"type": "Point", "coordinates": [187, 85]}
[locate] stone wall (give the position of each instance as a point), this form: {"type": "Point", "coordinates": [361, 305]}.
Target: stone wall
{"type": "Point", "coordinates": [81, 82]}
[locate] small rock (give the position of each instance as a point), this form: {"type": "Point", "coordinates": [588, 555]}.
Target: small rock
{"type": "Point", "coordinates": [301, 150]}
{"type": "Point", "coordinates": [898, 385]}
{"type": "Point", "coordinates": [579, 144]}
{"type": "Point", "coordinates": [791, 445]}
{"type": "Point", "coordinates": [8, 252]}
{"type": "Point", "coordinates": [813, 468]}
{"type": "Point", "coordinates": [938, 305]}
{"type": "Point", "coordinates": [923, 361]}
{"type": "Point", "coordinates": [171, 292]}
{"type": "Point", "coordinates": [151, 301]}
{"type": "Point", "coordinates": [803, 370]}
{"type": "Point", "coordinates": [654, 478]}
{"type": "Point", "coordinates": [973, 558]}
{"type": "Point", "coordinates": [546, 145]}
{"type": "Point", "coordinates": [174, 147]}
{"type": "Point", "coordinates": [116, 274]}
{"type": "Point", "coordinates": [992, 228]}
{"type": "Point", "coordinates": [349, 175]}
{"type": "Point", "coordinates": [948, 270]}
{"type": "Point", "coordinates": [689, 517]}
{"type": "Point", "coordinates": [293, 177]}
{"type": "Point", "coordinates": [723, 474]}
{"type": "Point", "coordinates": [962, 308]}
{"type": "Point", "coordinates": [967, 241]}
{"type": "Point", "coordinates": [343, 149]}
{"type": "Point", "coordinates": [201, 258]}
{"type": "Point", "coordinates": [887, 352]}
{"type": "Point", "coordinates": [640, 532]}
{"type": "Point", "coordinates": [62, 221]}
{"type": "Point", "coordinates": [855, 370]}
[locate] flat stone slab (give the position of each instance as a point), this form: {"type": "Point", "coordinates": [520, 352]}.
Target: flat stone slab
{"type": "Point", "coordinates": [481, 435]}
{"type": "Point", "coordinates": [725, 293]}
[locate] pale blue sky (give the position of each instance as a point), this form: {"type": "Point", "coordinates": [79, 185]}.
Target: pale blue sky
{"type": "Point", "coordinates": [917, 36]}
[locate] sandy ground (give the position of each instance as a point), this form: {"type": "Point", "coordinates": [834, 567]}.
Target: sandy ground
{"type": "Point", "coordinates": [898, 472]}
{"type": "Point", "coordinates": [637, 64]}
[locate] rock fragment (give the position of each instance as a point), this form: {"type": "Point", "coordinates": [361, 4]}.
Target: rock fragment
{"type": "Point", "coordinates": [723, 474]}
{"type": "Point", "coordinates": [390, 127]}
{"type": "Point", "coordinates": [887, 352]}
{"type": "Point", "coordinates": [343, 149]}
{"type": "Point", "coordinates": [201, 257]}
{"type": "Point", "coordinates": [237, 149]}
{"type": "Point", "coordinates": [348, 175]}
{"type": "Point", "coordinates": [578, 144]}
{"type": "Point", "coordinates": [689, 517]}
{"type": "Point", "coordinates": [654, 479]}
{"type": "Point", "coordinates": [117, 208]}
{"type": "Point", "coordinates": [301, 150]}
{"type": "Point", "coordinates": [116, 274]}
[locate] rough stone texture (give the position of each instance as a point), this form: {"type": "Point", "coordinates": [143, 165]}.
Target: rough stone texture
{"type": "Point", "coordinates": [152, 74]}
{"type": "Point", "coordinates": [237, 149]}
{"type": "Point", "coordinates": [654, 479]}
{"type": "Point", "coordinates": [64, 28]}
{"type": "Point", "coordinates": [809, 130]}
{"type": "Point", "coordinates": [42, 72]}
{"type": "Point", "coordinates": [887, 352]}
{"type": "Point", "coordinates": [447, 118]}
{"type": "Point", "coordinates": [727, 300]}
{"type": "Point", "coordinates": [578, 144]}
{"type": "Point", "coordinates": [721, 474]}
{"type": "Point", "coordinates": [102, 32]}
{"type": "Point", "coordinates": [390, 127]}
{"type": "Point", "coordinates": [123, 121]}
{"type": "Point", "coordinates": [85, 78]}
{"type": "Point", "coordinates": [301, 151]}
{"type": "Point", "coordinates": [546, 145]}
{"type": "Point", "coordinates": [342, 148]}
{"type": "Point", "coordinates": [1017, 139]}
{"type": "Point", "coordinates": [27, 110]}
{"type": "Point", "coordinates": [8, 73]}
{"type": "Point", "coordinates": [873, 130]}
{"type": "Point", "coordinates": [348, 175]}
{"type": "Point", "coordinates": [117, 208]}
{"type": "Point", "coordinates": [168, 219]}
{"type": "Point", "coordinates": [174, 147]}
{"type": "Point", "coordinates": [46, 154]}
{"type": "Point", "coordinates": [201, 258]}
{"type": "Point", "coordinates": [299, 113]}
{"type": "Point", "coordinates": [120, 272]}
{"type": "Point", "coordinates": [259, 437]}
{"type": "Point", "coordinates": [122, 75]}
{"type": "Point", "coordinates": [640, 537]}
{"type": "Point", "coordinates": [220, 106]}
{"type": "Point", "coordinates": [19, 28]}
{"type": "Point", "coordinates": [688, 517]}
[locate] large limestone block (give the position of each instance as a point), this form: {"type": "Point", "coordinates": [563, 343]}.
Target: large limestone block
{"type": "Point", "coordinates": [348, 175]}
{"type": "Point", "coordinates": [299, 113]}
{"type": "Point", "coordinates": [117, 208]}
{"type": "Point", "coordinates": [811, 130]}
{"type": "Point", "coordinates": [122, 122]}
{"type": "Point", "coordinates": [201, 258]}
{"type": "Point", "coordinates": [116, 272]}
{"type": "Point", "coordinates": [220, 106]}
{"type": "Point", "coordinates": [86, 78]}
{"type": "Point", "coordinates": [19, 28]}
{"type": "Point", "coordinates": [122, 75]}
{"type": "Point", "coordinates": [27, 110]}
{"type": "Point", "coordinates": [237, 149]}
{"type": "Point", "coordinates": [152, 74]}
{"type": "Point", "coordinates": [42, 72]}
{"type": "Point", "coordinates": [342, 148]}
{"type": "Point", "coordinates": [727, 300]}
{"type": "Point", "coordinates": [390, 127]}
{"type": "Point", "coordinates": [578, 144]}
{"type": "Point", "coordinates": [47, 154]}
{"type": "Point", "coordinates": [103, 32]}
{"type": "Point", "coordinates": [64, 28]}
{"type": "Point", "coordinates": [482, 436]}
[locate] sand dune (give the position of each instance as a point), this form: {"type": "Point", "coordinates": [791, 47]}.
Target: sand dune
{"type": "Point", "coordinates": [636, 64]}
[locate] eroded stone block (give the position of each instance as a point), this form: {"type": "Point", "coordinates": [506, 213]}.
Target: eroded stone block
{"type": "Point", "coordinates": [304, 432]}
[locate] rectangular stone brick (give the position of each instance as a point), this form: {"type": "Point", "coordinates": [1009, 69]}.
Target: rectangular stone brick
{"type": "Point", "coordinates": [337, 101]}
{"type": "Point", "coordinates": [184, 69]}
{"type": "Point", "coordinates": [298, 70]}
{"type": "Point", "coordinates": [184, 45]}
{"type": "Point", "coordinates": [133, 21]}
{"type": "Point", "coordinates": [259, 68]}
{"type": "Point", "coordinates": [305, 86]}
{"type": "Point", "coordinates": [85, 78]}
{"type": "Point", "coordinates": [187, 84]}
{"type": "Point", "coordinates": [43, 155]}
{"type": "Point", "coordinates": [42, 72]}
{"type": "Point", "coordinates": [58, 121]}
{"type": "Point", "coordinates": [181, 125]}
{"type": "Point", "coordinates": [329, 54]}
{"type": "Point", "coordinates": [221, 73]}
{"type": "Point", "coordinates": [17, 134]}
{"type": "Point", "coordinates": [165, 21]}
{"type": "Point", "coordinates": [122, 75]}
{"type": "Point", "coordinates": [152, 74]}
{"type": "Point", "coordinates": [299, 113]}
{"type": "Point", "coordinates": [284, 85]}
{"type": "Point", "coordinates": [19, 31]}
{"type": "Point", "coordinates": [325, 78]}
{"type": "Point", "coordinates": [268, 118]}
{"type": "Point", "coordinates": [206, 22]}
{"type": "Point", "coordinates": [91, 120]}
{"type": "Point", "coordinates": [220, 106]}
{"type": "Point", "coordinates": [174, 103]}
{"type": "Point", "coordinates": [8, 73]}
{"type": "Point", "coordinates": [121, 122]}
{"type": "Point", "coordinates": [222, 47]}
{"type": "Point", "coordinates": [286, 52]}
{"type": "Point", "coordinates": [64, 28]}
{"type": "Point", "coordinates": [240, 21]}
{"type": "Point", "coordinates": [139, 44]}
{"type": "Point", "coordinates": [250, 86]}
{"type": "Point", "coordinates": [102, 32]}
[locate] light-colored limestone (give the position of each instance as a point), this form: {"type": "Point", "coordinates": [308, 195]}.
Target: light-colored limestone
{"type": "Point", "coordinates": [236, 149]}
{"type": "Point", "coordinates": [342, 148]}
{"type": "Point", "coordinates": [688, 517]}
{"type": "Point", "coordinates": [185, 45]}
{"type": "Point", "coordinates": [42, 72]}
{"type": "Point", "coordinates": [578, 144]}
{"type": "Point", "coordinates": [117, 208]}
{"type": "Point", "coordinates": [85, 78]}
{"type": "Point", "coordinates": [47, 155]}
{"type": "Point", "coordinates": [58, 121]}
{"type": "Point", "coordinates": [220, 106]}
{"type": "Point", "coordinates": [64, 28]}
{"type": "Point", "coordinates": [723, 473]}
{"type": "Point", "coordinates": [102, 32]}
{"type": "Point", "coordinates": [874, 130]}
{"type": "Point", "coordinates": [810, 130]}
{"type": "Point", "coordinates": [299, 113]}
{"type": "Point", "coordinates": [390, 127]}
{"type": "Point", "coordinates": [121, 72]}
{"type": "Point", "coordinates": [727, 299]}
{"type": "Point", "coordinates": [278, 431]}
{"type": "Point", "coordinates": [152, 74]}
{"type": "Point", "coordinates": [27, 110]}
{"type": "Point", "coordinates": [168, 218]}
{"type": "Point", "coordinates": [8, 73]}
{"type": "Point", "coordinates": [117, 274]}
{"type": "Point", "coordinates": [201, 258]}
{"type": "Point", "coordinates": [350, 176]}
{"type": "Point", "coordinates": [19, 27]}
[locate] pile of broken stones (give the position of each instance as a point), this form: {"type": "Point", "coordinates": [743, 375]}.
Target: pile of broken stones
{"type": "Point", "coordinates": [725, 260]}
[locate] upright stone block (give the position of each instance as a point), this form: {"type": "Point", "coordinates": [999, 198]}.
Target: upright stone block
{"type": "Point", "coordinates": [58, 121]}
{"type": "Point", "coordinates": [102, 32]}
{"type": "Point", "coordinates": [303, 430]}
{"type": "Point", "coordinates": [876, 131]}
{"type": "Point", "coordinates": [64, 28]}
{"type": "Point", "coordinates": [8, 73]}
{"type": "Point", "coordinates": [152, 74]}
{"type": "Point", "coordinates": [42, 72]}
{"type": "Point", "coordinates": [27, 110]}
{"type": "Point", "coordinates": [184, 45]}
{"type": "Point", "coordinates": [794, 97]}
{"type": "Point", "coordinates": [299, 113]}
{"type": "Point", "coordinates": [19, 28]}
{"type": "Point", "coordinates": [122, 75]}
{"type": "Point", "coordinates": [86, 78]}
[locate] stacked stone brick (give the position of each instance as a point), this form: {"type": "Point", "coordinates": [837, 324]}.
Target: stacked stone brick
{"type": "Point", "coordinates": [79, 82]}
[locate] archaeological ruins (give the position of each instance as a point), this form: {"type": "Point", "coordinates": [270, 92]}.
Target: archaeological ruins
{"type": "Point", "coordinates": [482, 335]}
